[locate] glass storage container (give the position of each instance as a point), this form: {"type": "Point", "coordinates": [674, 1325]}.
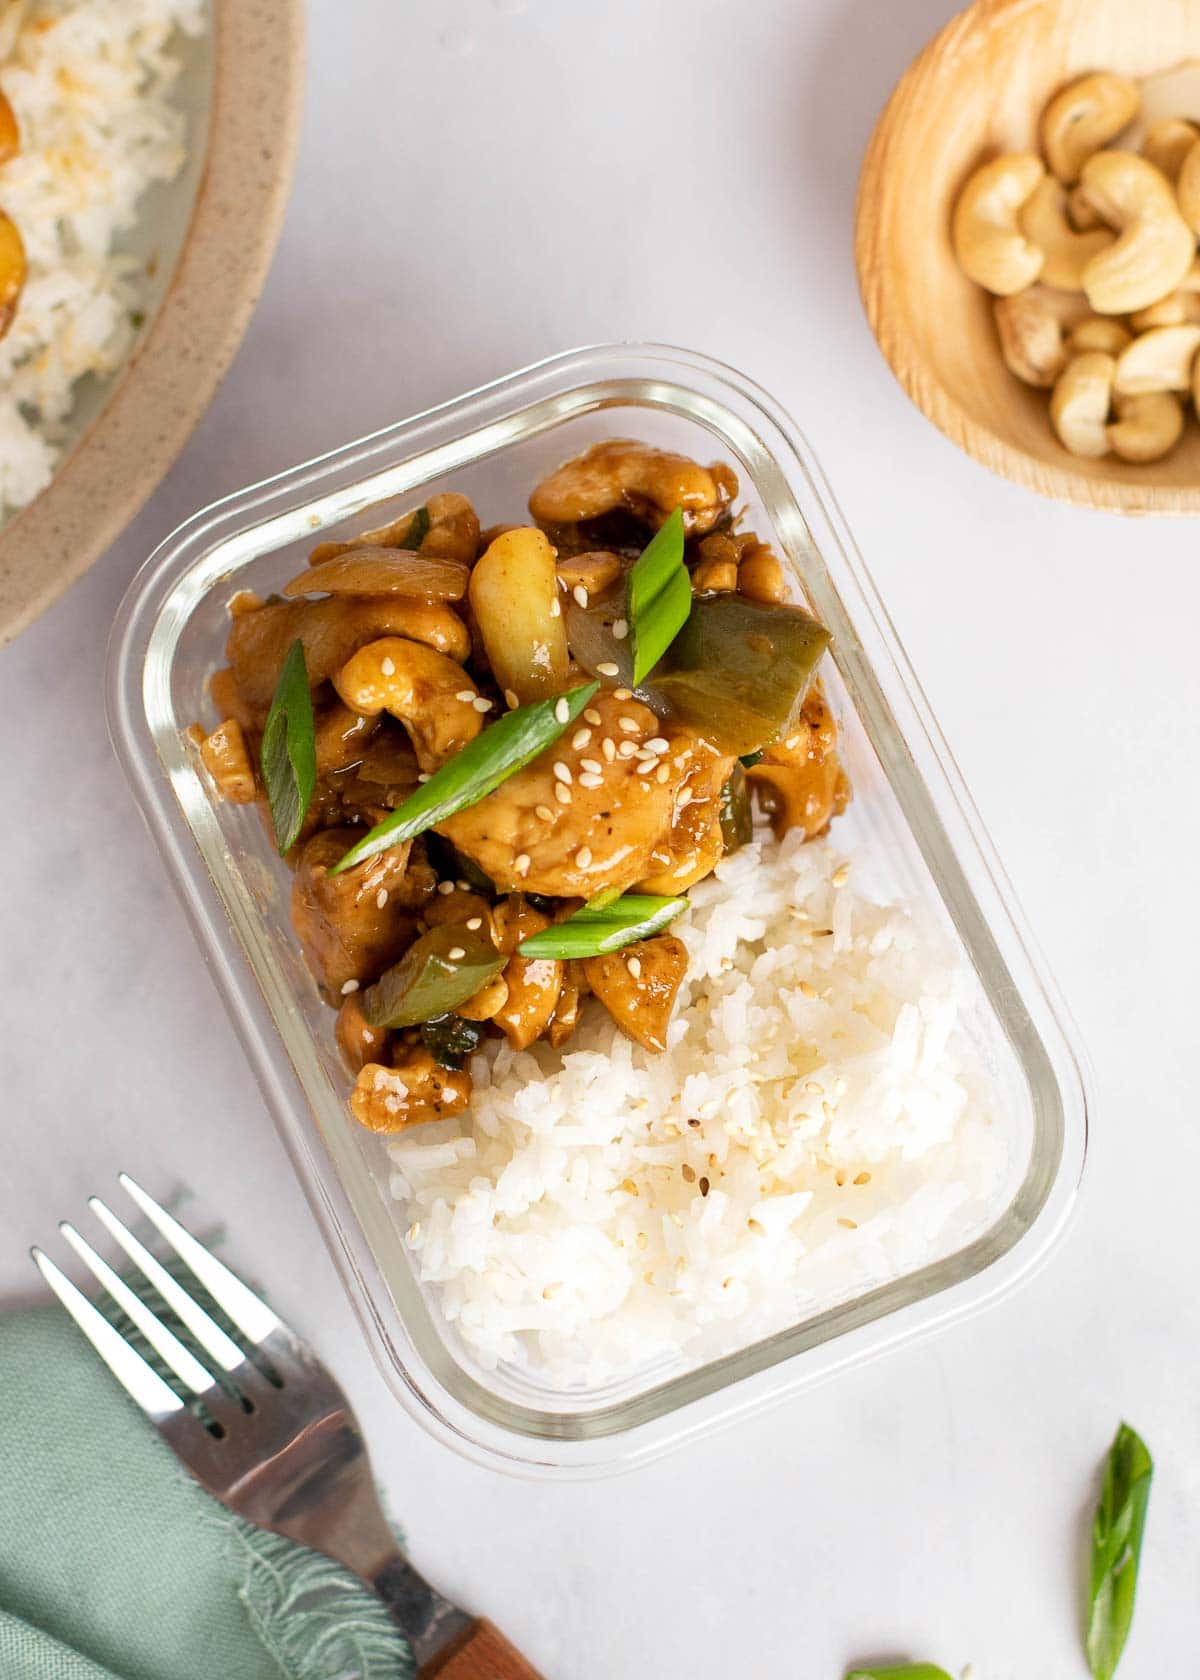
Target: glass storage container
{"type": "Point", "coordinates": [910, 811]}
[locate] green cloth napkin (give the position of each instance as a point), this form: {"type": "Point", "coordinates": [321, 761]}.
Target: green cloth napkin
{"type": "Point", "coordinates": [115, 1565]}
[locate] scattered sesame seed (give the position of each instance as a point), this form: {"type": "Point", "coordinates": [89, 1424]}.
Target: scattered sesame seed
{"type": "Point", "coordinates": [580, 739]}
{"type": "Point", "coordinates": [792, 741]}
{"type": "Point", "coordinates": [425, 775]}
{"type": "Point", "coordinates": [544, 812]}
{"type": "Point", "coordinates": [634, 965]}
{"type": "Point", "coordinates": [850, 1224]}
{"type": "Point", "coordinates": [381, 898]}
{"type": "Point", "coordinates": [629, 1187]}
{"type": "Point", "coordinates": [562, 793]}
{"type": "Point", "coordinates": [466, 695]}
{"type": "Point", "coordinates": [561, 772]}
{"type": "Point", "coordinates": [482, 705]}
{"type": "Point", "coordinates": [580, 594]}
{"type": "Point", "coordinates": [840, 875]}
{"type": "Point", "coordinates": [556, 608]}
{"type": "Point", "coordinates": [703, 1186]}
{"type": "Point", "coordinates": [463, 886]}
{"type": "Point", "coordinates": [521, 863]}
{"type": "Point", "coordinates": [592, 764]}
{"type": "Point", "coordinates": [643, 1241]}
{"type": "Point", "coordinates": [562, 711]}
{"type": "Point", "coordinates": [590, 780]}
{"type": "Point", "coordinates": [862, 1178]}
{"type": "Point", "coordinates": [414, 1231]}
{"type": "Point", "coordinates": [608, 669]}
{"type": "Point", "coordinates": [620, 629]}
{"type": "Point", "coordinates": [688, 1173]}
{"type": "Point", "coordinates": [475, 923]}
{"type": "Point", "coordinates": [813, 1088]}
{"type": "Point", "coordinates": [593, 717]}
{"type": "Point", "coordinates": [511, 700]}
{"type": "Point", "coordinates": [348, 987]}
{"type": "Point", "coordinates": [388, 667]}
{"type": "Point", "coordinates": [583, 857]}
{"type": "Point", "coordinates": [806, 990]}
{"type": "Point", "coordinates": [445, 888]}
{"type": "Point", "coordinates": [456, 953]}
{"type": "Point", "coordinates": [368, 1037]}
{"type": "Point", "coordinates": [663, 773]}
{"type": "Point", "coordinates": [684, 799]}
{"type": "Point", "coordinates": [609, 749]}
{"type": "Point", "coordinates": [551, 1290]}
{"type": "Point", "coordinates": [754, 1225]}
{"type": "Point", "coordinates": [628, 725]}
{"type": "Point", "coordinates": [645, 767]}
{"type": "Point", "coordinates": [658, 744]}
{"type": "Point", "coordinates": [622, 694]}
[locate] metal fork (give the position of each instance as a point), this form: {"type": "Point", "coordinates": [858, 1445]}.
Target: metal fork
{"type": "Point", "coordinates": [268, 1432]}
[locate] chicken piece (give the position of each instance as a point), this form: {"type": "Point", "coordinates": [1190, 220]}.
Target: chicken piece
{"type": "Point", "coordinates": [352, 926]}
{"type": "Point", "coordinates": [340, 737]}
{"type": "Point", "coordinates": [638, 985]}
{"type": "Point", "coordinates": [228, 702]}
{"type": "Point", "coordinates": [694, 844]}
{"type": "Point", "coordinates": [594, 570]}
{"type": "Point", "coordinates": [453, 532]}
{"type": "Point", "coordinates": [416, 1090]}
{"type": "Point", "coordinates": [331, 630]}
{"type": "Point", "coordinates": [462, 909]}
{"type": "Point", "coordinates": [649, 483]}
{"type": "Point", "coordinates": [594, 822]}
{"type": "Point", "coordinates": [569, 1008]}
{"type": "Point", "coordinates": [800, 780]}
{"type": "Point", "coordinates": [360, 1042]}
{"type": "Point", "coordinates": [227, 761]}
{"type": "Point", "coordinates": [533, 983]}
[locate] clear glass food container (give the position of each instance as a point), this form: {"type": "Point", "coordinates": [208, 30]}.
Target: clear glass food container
{"type": "Point", "coordinates": [910, 812]}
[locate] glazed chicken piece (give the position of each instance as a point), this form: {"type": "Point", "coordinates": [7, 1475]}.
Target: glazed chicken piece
{"type": "Point", "coordinates": [352, 926]}
{"type": "Point", "coordinates": [638, 985]}
{"type": "Point", "coordinates": [800, 781]}
{"type": "Point", "coordinates": [587, 814]}
{"type": "Point", "coordinates": [533, 984]}
{"type": "Point", "coordinates": [694, 844]}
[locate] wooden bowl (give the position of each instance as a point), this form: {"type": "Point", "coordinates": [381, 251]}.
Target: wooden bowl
{"type": "Point", "coordinates": [978, 89]}
{"type": "Point", "coordinates": [212, 235]}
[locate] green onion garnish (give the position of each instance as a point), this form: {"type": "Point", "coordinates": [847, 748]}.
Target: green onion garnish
{"type": "Point", "coordinates": [1116, 1548]}
{"type": "Point", "coordinates": [289, 753]}
{"type": "Point", "coordinates": [417, 531]}
{"type": "Point", "coordinates": [492, 757]}
{"type": "Point", "coordinates": [594, 931]}
{"type": "Point", "coordinates": [905, 1671]}
{"type": "Point", "coordinates": [658, 596]}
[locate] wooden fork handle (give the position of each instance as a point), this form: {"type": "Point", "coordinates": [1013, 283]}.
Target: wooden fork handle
{"type": "Point", "coordinates": [481, 1653]}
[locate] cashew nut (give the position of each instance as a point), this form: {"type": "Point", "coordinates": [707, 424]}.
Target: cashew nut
{"type": "Point", "coordinates": [1148, 426]}
{"type": "Point", "coordinates": [452, 533]}
{"type": "Point", "coordinates": [430, 695]}
{"type": "Point", "coordinates": [1086, 115]}
{"type": "Point", "coordinates": [1168, 142]}
{"type": "Point", "coordinates": [1187, 187]}
{"type": "Point", "coordinates": [988, 242]}
{"type": "Point", "coordinates": [1171, 311]}
{"type": "Point", "coordinates": [1031, 325]}
{"type": "Point", "coordinates": [1155, 246]}
{"type": "Point", "coordinates": [1080, 403]}
{"type": "Point", "coordinates": [650, 483]}
{"type": "Point", "coordinates": [1098, 332]}
{"type": "Point", "coordinates": [1043, 219]}
{"type": "Point", "coordinates": [227, 761]}
{"type": "Point", "coordinates": [1158, 360]}
{"type": "Point", "coordinates": [1081, 214]}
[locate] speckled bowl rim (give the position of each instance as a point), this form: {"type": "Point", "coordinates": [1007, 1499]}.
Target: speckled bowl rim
{"type": "Point", "coordinates": [161, 394]}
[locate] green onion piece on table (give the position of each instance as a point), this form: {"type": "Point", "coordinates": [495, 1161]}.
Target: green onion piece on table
{"type": "Point", "coordinates": [659, 596]}
{"type": "Point", "coordinates": [492, 757]}
{"type": "Point", "coordinates": [904, 1671]}
{"type": "Point", "coordinates": [594, 931]}
{"type": "Point", "coordinates": [1116, 1549]}
{"type": "Point", "coordinates": [289, 753]}
{"type": "Point", "coordinates": [417, 531]}
{"type": "Point", "coordinates": [439, 971]}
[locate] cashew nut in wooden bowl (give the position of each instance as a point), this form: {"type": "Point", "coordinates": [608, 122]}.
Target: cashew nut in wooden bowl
{"type": "Point", "coordinates": [976, 92]}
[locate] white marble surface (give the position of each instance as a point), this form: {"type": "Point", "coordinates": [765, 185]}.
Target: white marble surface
{"type": "Point", "coordinates": [483, 182]}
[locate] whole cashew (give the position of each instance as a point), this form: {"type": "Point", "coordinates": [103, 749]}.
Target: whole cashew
{"type": "Point", "coordinates": [1168, 142]}
{"type": "Point", "coordinates": [1085, 116]}
{"type": "Point", "coordinates": [989, 244]}
{"type": "Point", "coordinates": [1187, 187]}
{"type": "Point", "coordinates": [1098, 332]}
{"type": "Point", "coordinates": [429, 694]}
{"type": "Point", "coordinates": [1158, 360]}
{"type": "Point", "coordinates": [1043, 220]}
{"type": "Point", "coordinates": [1080, 404]}
{"type": "Point", "coordinates": [1148, 426]}
{"type": "Point", "coordinates": [651, 483]}
{"type": "Point", "coordinates": [1031, 325]}
{"type": "Point", "coordinates": [1155, 246]}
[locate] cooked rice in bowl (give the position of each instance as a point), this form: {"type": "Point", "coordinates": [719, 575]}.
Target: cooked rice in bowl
{"type": "Point", "coordinates": [92, 83]}
{"type": "Point", "coordinates": [821, 1123]}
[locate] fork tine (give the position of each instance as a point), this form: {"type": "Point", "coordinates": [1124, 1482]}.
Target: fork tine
{"type": "Point", "coordinates": [164, 1341]}
{"type": "Point", "coordinates": [205, 1328]}
{"type": "Point", "coordinates": [143, 1385]}
{"type": "Point", "coordinates": [251, 1314]}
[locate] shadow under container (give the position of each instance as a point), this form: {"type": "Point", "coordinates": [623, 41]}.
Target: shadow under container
{"type": "Point", "coordinates": [911, 818]}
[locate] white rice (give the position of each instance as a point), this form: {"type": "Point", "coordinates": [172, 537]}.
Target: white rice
{"type": "Point", "coordinates": [843, 1133]}
{"type": "Point", "coordinates": [91, 83]}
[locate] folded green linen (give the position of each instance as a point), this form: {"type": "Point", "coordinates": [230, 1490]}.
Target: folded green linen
{"type": "Point", "coordinates": [115, 1565]}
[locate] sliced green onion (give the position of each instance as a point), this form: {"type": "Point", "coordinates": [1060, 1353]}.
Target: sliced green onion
{"type": "Point", "coordinates": [503, 748]}
{"type": "Point", "coordinates": [659, 596]}
{"type": "Point", "coordinates": [1116, 1549]}
{"type": "Point", "coordinates": [903, 1671]}
{"type": "Point", "coordinates": [289, 752]}
{"type": "Point", "coordinates": [418, 530]}
{"type": "Point", "coordinates": [749, 760]}
{"type": "Point", "coordinates": [593, 932]}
